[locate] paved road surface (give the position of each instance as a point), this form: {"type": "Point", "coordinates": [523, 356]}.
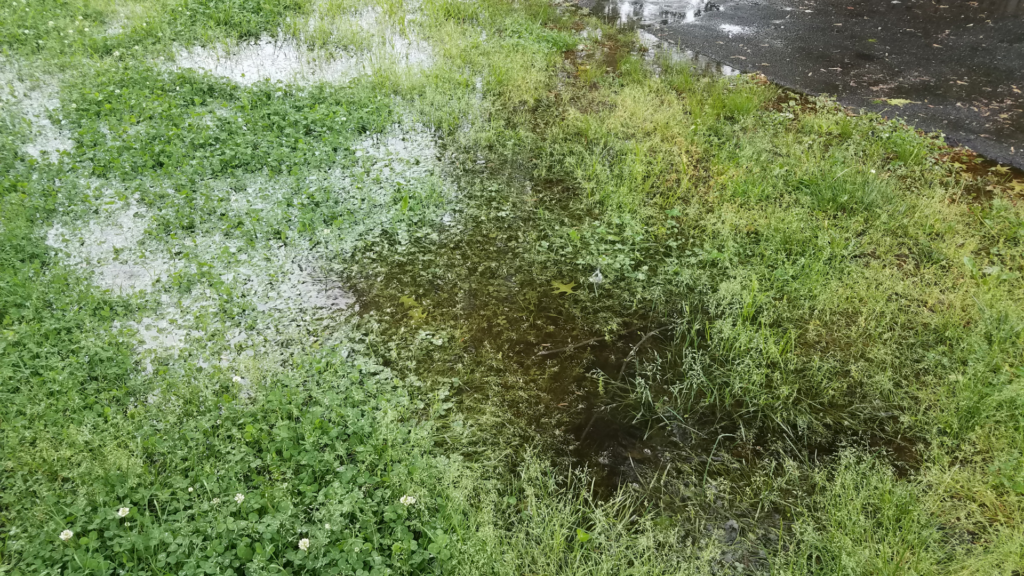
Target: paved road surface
{"type": "Point", "coordinates": [959, 64]}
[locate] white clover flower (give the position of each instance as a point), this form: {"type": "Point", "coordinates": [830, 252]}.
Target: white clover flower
{"type": "Point", "coordinates": [216, 501]}
{"type": "Point", "coordinates": [239, 498]}
{"type": "Point", "coordinates": [190, 489]}
{"type": "Point", "coordinates": [66, 535]}
{"type": "Point", "coordinates": [407, 500]}
{"type": "Point", "coordinates": [304, 544]}
{"type": "Point", "coordinates": [236, 379]}
{"type": "Point", "coordinates": [327, 526]}
{"type": "Point", "coordinates": [123, 512]}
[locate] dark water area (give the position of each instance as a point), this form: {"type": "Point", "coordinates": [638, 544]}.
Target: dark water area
{"type": "Point", "coordinates": [608, 397]}
{"type": "Point", "coordinates": [952, 66]}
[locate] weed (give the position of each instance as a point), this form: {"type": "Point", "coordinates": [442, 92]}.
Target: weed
{"type": "Point", "coordinates": [531, 307]}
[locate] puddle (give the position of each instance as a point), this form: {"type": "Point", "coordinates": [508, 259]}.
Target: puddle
{"type": "Point", "coordinates": [623, 444]}
{"type": "Point", "coordinates": [404, 153]}
{"type": "Point", "coordinates": [109, 246]}
{"type": "Point", "coordinates": [217, 298]}
{"type": "Point", "coordinates": [285, 279]}
{"type": "Point", "coordinates": [284, 59]}
{"type": "Point", "coordinates": [276, 60]}
{"type": "Point", "coordinates": [645, 13]}
{"type": "Point", "coordinates": [678, 55]}
{"type": "Point", "coordinates": [524, 347]}
{"type": "Point", "coordinates": [984, 179]}
{"type": "Point", "coordinates": [162, 334]}
{"type": "Point", "coordinates": [281, 281]}
{"type": "Point", "coordinates": [34, 101]}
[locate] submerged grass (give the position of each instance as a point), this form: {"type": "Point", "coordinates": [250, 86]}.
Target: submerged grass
{"type": "Point", "coordinates": [613, 315]}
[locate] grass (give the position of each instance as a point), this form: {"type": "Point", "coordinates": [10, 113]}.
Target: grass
{"type": "Point", "coordinates": [803, 346]}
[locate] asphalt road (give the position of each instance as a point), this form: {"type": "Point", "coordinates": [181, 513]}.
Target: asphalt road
{"type": "Point", "coordinates": [955, 67]}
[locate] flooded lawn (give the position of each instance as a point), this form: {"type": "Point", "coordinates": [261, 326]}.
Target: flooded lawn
{"type": "Point", "coordinates": [346, 287]}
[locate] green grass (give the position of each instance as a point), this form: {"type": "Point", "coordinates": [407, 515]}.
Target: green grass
{"type": "Point", "coordinates": [811, 326]}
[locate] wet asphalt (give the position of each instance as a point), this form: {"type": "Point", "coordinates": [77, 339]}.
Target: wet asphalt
{"type": "Point", "coordinates": [951, 66]}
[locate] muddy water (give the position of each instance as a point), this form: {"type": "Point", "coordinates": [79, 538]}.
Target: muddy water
{"type": "Point", "coordinates": [526, 359]}
{"type": "Point", "coordinates": [954, 67]}
{"type": "Point", "coordinates": [593, 396]}
{"type": "Point", "coordinates": [472, 304]}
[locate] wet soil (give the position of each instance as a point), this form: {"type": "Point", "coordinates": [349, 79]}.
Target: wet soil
{"type": "Point", "coordinates": [955, 67]}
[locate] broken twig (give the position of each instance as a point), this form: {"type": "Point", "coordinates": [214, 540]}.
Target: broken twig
{"type": "Point", "coordinates": [585, 343]}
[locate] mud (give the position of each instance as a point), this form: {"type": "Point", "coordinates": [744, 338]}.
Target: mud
{"type": "Point", "coordinates": [955, 67]}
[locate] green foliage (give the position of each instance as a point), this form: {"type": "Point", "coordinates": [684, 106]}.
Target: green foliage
{"type": "Point", "coordinates": [328, 451]}
{"type": "Point", "coordinates": [129, 119]}
{"type": "Point", "coordinates": [870, 524]}
{"type": "Point", "coordinates": [831, 329]}
{"type": "Point", "coordinates": [242, 19]}
{"type": "Point", "coordinates": [453, 10]}
{"type": "Point", "coordinates": [49, 25]}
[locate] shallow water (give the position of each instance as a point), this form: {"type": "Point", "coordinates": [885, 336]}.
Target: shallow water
{"type": "Point", "coordinates": [288, 289]}
{"type": "Point", "coordinates": [287, 60]}
{"type": "Point", "coordinates": [109, 247]}
{"type": "Point", "coordinates": [34, 101]}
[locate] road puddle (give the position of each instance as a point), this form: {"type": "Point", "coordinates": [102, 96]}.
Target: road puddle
{"type": "Point", "coordinates": [641, 13]}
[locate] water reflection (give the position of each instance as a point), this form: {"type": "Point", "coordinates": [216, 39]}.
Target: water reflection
{"type": "Point", "coordinates": [637, 13]}
{"type": "Point", "coordinates": [645, 13]}
{"type": "Point", "coordinates": [677, 55]}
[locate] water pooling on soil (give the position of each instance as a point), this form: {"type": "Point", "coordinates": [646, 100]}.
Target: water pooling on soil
{"type": "Point", "coordinates": [284, 60]}
{"type": "Point", "coordinates": [503, 327]}
{"type": "Point", "coordinates": [287, 289]}
{"type": "Point", "coordinates": [34, 99]}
